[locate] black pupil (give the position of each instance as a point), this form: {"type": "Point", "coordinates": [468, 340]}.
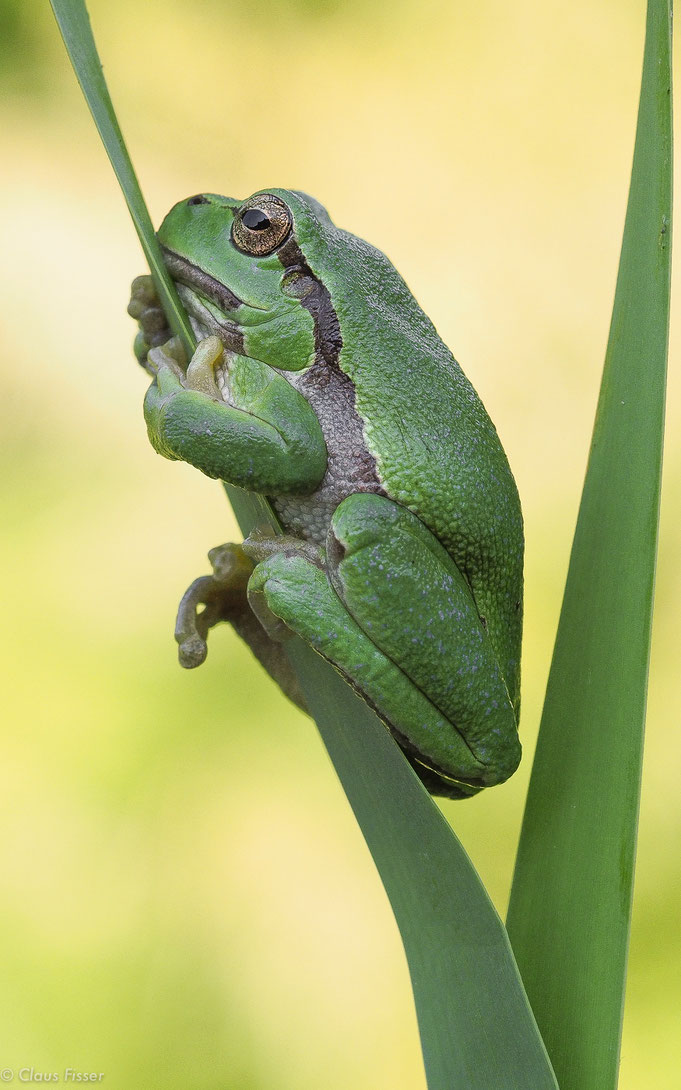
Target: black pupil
{"type": "Point", "coordinates": [255, 220]}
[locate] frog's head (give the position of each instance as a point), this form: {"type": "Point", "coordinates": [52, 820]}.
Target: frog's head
{"type": "Point", "coordinates": [241, 273]}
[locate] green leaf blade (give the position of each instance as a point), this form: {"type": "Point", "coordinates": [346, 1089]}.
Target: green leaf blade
{"type": "Point", "coordinates": [74, 24]}
{"type": "Point", "coordinates": [571, 899]}
{"type": "Point", "coordinates": [477, 1028]}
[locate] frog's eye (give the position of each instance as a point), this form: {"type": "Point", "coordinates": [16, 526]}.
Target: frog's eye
{"type": "Point", "coordinates": [261, 224]}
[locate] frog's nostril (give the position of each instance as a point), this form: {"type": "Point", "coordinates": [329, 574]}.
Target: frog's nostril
{"type": "Point", "coordinates": [198, 199]}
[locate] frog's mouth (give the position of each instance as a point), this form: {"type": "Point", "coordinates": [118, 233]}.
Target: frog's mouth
{"type": "Point", "coordinates": [207, 301]}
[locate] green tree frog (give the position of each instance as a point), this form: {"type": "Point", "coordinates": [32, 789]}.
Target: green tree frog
{"type": "Point", "coordinates": [319, 383]}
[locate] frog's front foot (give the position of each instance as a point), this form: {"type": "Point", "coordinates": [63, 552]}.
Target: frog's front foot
{"type": "Point", "coordinates": [145, 307]}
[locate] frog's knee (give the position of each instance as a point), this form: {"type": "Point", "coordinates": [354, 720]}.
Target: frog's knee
{"type": "Point", "coordinates": [360, 520]}
{"type": "Point", "coordinates": [380, 530]}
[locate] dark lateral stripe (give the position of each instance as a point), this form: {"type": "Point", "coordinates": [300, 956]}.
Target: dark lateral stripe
{"type": "Point", "coordinates": [187, 273]}
{"type": "Point", "coordinates": [327, 332]}
{"type": "Point", "coordinates": [328, 344]}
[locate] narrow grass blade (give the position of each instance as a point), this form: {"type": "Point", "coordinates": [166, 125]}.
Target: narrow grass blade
{"type": "Point", "coordinates": [571, 899]}
{"type": "Point", "coordinates": [74, 24]}
{"type": "Point", "coordinates": [477, 1029]}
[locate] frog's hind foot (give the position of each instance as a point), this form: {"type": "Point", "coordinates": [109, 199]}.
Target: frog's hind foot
{"type": "Point", "coordinates": [199, 610]}
{"type": "Point", "coordinates": [222, 596]}
{"type": "Point", "coordinates": [211, 599]}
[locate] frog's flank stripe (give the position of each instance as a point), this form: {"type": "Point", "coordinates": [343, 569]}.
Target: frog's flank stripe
{"type": "Point", "coordinates": [328, 344]}
{"type": "Point", "coordinates": [327, 333]}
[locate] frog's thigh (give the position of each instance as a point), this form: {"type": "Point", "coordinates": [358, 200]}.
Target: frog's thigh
{"type": "Point", "coordinates": [298, 593]}
{"type": "Point", "coordinates": [407, 594]}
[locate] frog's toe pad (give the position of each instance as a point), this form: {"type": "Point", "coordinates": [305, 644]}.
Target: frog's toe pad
{"type": "Point", "coordinates": [192, 652]}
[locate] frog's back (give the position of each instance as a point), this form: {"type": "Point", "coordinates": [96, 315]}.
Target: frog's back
{"type": "Point", "coordinates": [436, 449]}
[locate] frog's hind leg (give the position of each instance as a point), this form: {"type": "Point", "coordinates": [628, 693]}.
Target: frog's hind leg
{"type": "Point", "coordinates": [212, 599]}
{"type": "Point", "coordinates": [289, 591]}
{"type": "Point", "coordinates": [395, 616]}
{"type": "Point", "coordinates": [407, 593]}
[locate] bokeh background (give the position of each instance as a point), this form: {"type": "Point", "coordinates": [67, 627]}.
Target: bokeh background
{"type": "Point", "coordinates": [186, 900]}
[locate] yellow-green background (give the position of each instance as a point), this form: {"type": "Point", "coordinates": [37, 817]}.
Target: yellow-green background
{"type": "Point", "coordinates": [186, 901]}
